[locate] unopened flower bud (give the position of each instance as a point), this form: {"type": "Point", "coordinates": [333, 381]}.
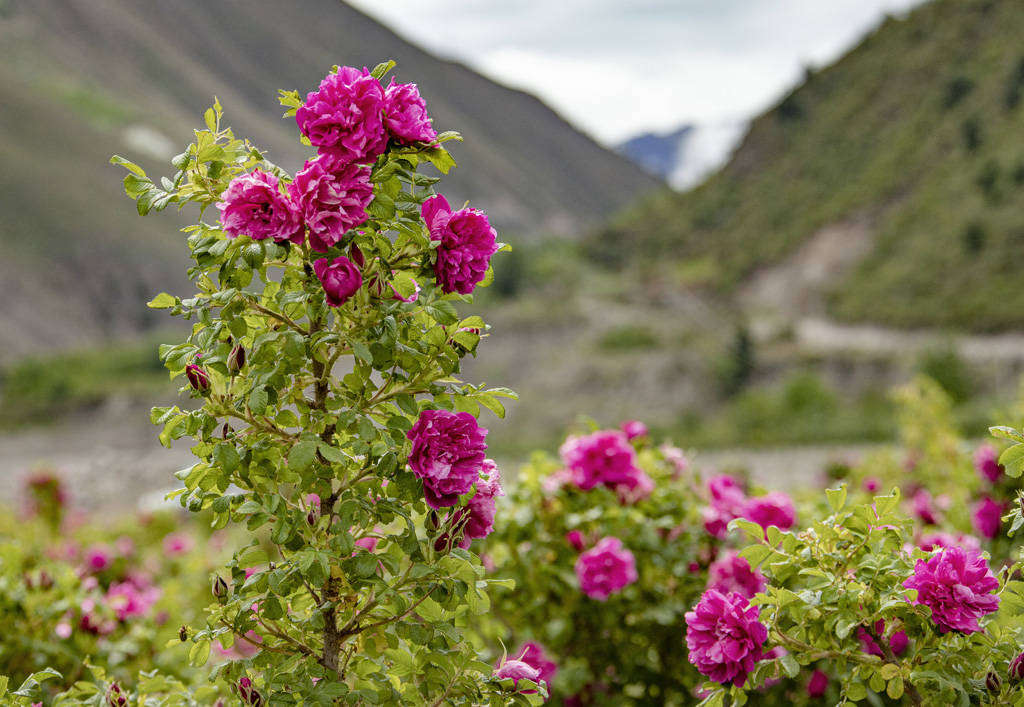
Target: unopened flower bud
{"type": "Point", "coordinates": [197, 378]}
{"type": "Point", "coordinates": [1016, 671]}
{"type": "Point", "coordinates": [236, 359]}
{"type": "Point", "coordinates": [356, 255]}
{"type": "Point", "coordinates": [116, 696]}
{"type": "Point", "coordinates": [993, 683]}
{"type": "Point", "coordinates": [249, 694]}
{"type": "Point", "coordinates": [220, 587]}
{"type": "Point", "coordinates": [183, 633]}
{"type": "Point", "coordinates": [313, 515]}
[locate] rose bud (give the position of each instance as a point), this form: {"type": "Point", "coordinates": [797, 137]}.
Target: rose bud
{"type": "Point", "coordinates": [236, 359]}
{"type": "Point", "coordinates": [340, 279]}
{"type": "Point", "coordinates": [993, 683]}
{"type": "Point", "coordinates": [220, 587]}
{"type": "Point", "coordinates": [313, 515]}
{"type": "Point", "coordinates": [45, 580]}
{"type": "Point", "coordinates": [197, 378]}
{"type": "Point", "coordinates": [183, 633]}
{"type": "Point", "coordinates": [356, 255]}
{"type": "Point", "coordinates": [115, 696]}
{"type": "Point", "coordinates": [1016, 670]}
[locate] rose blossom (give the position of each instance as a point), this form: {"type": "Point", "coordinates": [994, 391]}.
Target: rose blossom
{"type": "Point", "coordinates": [898, 642]}
{"type": "Point", "coordinates": [533, 655]}
{"type": "Point", "coordinates": [605, 569]}
{"type": "Point", "coordinates": [921, 503]}
{"type": "Point", "coordinates": [345, 115]}
{"type": "Point", "coordinates": [956, 585]}
{"type": "Point", "coordinates": [818, 683]}
{"type": "Point", "coordinates": [466, 244]}
{"type": "Point", "coordinates": [405, 114]}
{"type": "Point", "coordinates": [177, 543]}
{"type": "Point", "coordinates": [254, 206]}
{"type": "Point", "coordinates": [575, 540]}
{"type": "Point", "coordinates": [340, 279]}
{"type": "Point", "coordinates": [516, 670]}
{"type": "Point", "coordinates": [634, 429]}
{"type": "Point", "coordinates": [481, 507]}
{"type": "Point", "coordinates": [724, 637]}
{"type": "Point", "coordinates": [447, 453]}
{"type": "Point", "coordinates": [675, 456]}
{"type": "Point", "coordinates": [775, 508]}
{"type": "Point", "coordinates": [987, 517]}
{"type": "Point", "coordinates": [986, 462]}
{"type": "Point", "coordinates": [368, 543]}
{"type": "Point", "coordinates": [98, 558]}
{"type": "Point", "coordinates": [604, 458]}
{"type": "Point", "coordinates": [727, 500]}
{"type": "Point", "coordinates": [131, 598]}
{"type": "Point", "coordinates": [332, 197]}
{"type": "Point", "coordinates": [732, 573]}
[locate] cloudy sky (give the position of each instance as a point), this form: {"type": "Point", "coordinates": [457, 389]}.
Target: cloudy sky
{"type": "Point", "coordinates": [620, 67]}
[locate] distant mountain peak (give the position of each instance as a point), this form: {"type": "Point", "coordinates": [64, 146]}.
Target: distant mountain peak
{"type": "Point", "coordinates": [685, 156]}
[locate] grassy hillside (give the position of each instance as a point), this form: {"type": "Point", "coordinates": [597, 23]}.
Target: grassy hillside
{"type": "Point", "coordinates": [83, 79]}
{"type": "Point", "coordinates": [920, 131]}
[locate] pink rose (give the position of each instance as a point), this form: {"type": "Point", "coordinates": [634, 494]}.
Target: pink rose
{"type": "Point", "coordinates": [177, 544]}
{"type": "Point", "coordinates": [986, 462]}
{"type": "Point", "coordinates": [732, 573]}
{"type": "Point", "coordinates": [447, 454]}
{"type": "Point", "coordinates": [725, 637]}
{"type": "Point", "coordinates": [340, 279]}
{"type": "Point", "coordinates": [533, 655]}
{"type": "Point", "coordinates": [605, 458]}
{"type": "Point", "coordinates": [466, 244]}
{"type": "Point", "coordinates": [332, 197]}
{"type": "Point", "coordinates": [254, 206]}
{"type": "Point", "coordinates": [775, 508]}
{"type": "Point", "coordinates": [818, 683]}
{"type": "Point", "coordinates": [634, 429]}
{"type": "Point", "coordinates": [345, 116]}
{"type": "Point", "coordinates": [957, 586]}
{"type": "Point", "coordinates": [481, 507]}
{"type": "Point", "coordinates": [405, 114]}
{"type": "Point", "coordinates": [516, 670]}
{"type": "Point", "coordinates": [987, 517]}
{"type": "Point", "coordinates": [605, 569]}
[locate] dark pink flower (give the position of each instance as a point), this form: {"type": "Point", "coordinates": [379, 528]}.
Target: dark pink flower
{"type": "Point", "coordinates": [986, 462]}
{"type": "Point", "coordinates": [405, 114]}
{"type": "Point", "coordinates": [533, 655]}
{"type": "Point", "coordinates": [603, 458]}
{"type": "Point", "coordinates": [605, 569]}
{"type": "Point", "coordinates": [923, 508]}
{"type": "Point", "coordinates": [516, 670]}
{"type": "Point", "coordinates": [987, 517]}
{"type": "Point", "coordinates": [332, 197]}
{"type": "Point", "coordinates": [957, 586]}
{"type": "Point", "coordinates": [634, 429]}
{"type": "Point", "coordinates": [466, 244]}
{"type": "Point", "coordinates": [98, 558]}
{"type": "Point", "coordinates": [447, 453]}
{"type": "Point", "coordinates": [197, 378]}
{"type": "Point", "coordinates": [345, 116]}
{"type": "Point", "coordinates": [481, 507]}
{"type": "Point", "coordinates": [724, 637]}
{"type": "Point", "coordinates": [775, 508]}
{"type": "Point", "coordinates": [177, 544]}
{"type": "Point", "coordinates": [131, 598]}
{"type": "Point", "coordinates": [575, 539]}
{"type": "Point", "coordinates": [898, 641]}
{"type": "Point", "coordinates": [368, 543]}
{"type": "Point", "coordinates": [254, 206]}
{"type": "Point", "coordinates": [871, 484]}
{"type": "Point", "coordinates": [818, 683]}
{"type": "Point", "coordinates": [732, 573]}
{"type": "Point", "coordinates": [727, 502]}
{"type": "Point", "coordinates": [340, 279]}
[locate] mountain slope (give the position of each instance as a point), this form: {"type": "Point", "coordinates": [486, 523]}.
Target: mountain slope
{"type": "Point", "coordinates": [918, 131]}
{"type": "Point", "coordinates": [83, 79]}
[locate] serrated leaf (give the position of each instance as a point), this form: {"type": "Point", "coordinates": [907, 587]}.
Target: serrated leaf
{"type": "Point", "coordinates": [301, 455]}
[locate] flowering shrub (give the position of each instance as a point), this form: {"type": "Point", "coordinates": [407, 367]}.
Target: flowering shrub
{"type": "Point", "coordinates": [330, 423]}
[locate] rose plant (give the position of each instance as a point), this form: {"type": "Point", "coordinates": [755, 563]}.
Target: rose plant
{"type": "Point", "coordinates": [330, 422]}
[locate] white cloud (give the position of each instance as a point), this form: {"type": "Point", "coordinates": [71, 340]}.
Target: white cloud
{"type": "Point", "coordinates": [619, 67]}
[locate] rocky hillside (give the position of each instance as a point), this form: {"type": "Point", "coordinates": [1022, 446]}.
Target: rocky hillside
{"type": "Point", "coordinates": [913, 143]}
{"type": "Point", "coordinates": [83, 79]}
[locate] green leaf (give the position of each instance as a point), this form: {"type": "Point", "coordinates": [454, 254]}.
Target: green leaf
{"type": "Point", "coordinates": [1006, 433]}
{"type": "Point", "coordinates": [836, 497]}
{"type": "Point", "coordinates": [199, 653]}
{"type": "Point", "coordinates": [258, 399]}
{"type": "Point", "coordinates": [381, 69]}
{"type": "Point", "coordinates": [430, 610]}
{"type": "Point", "coordinates": [301, 455]}
{"type": "Point", "coordinates": [128, 164]}
{"type": "Point", "coordinates": [440, 158]}
{"type": "Point", "coordinates": [1013, 459]}
{"type": "Point", "coordinates": [162, 301]}
{"type": "Point", "coordinates": [789, 665]}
